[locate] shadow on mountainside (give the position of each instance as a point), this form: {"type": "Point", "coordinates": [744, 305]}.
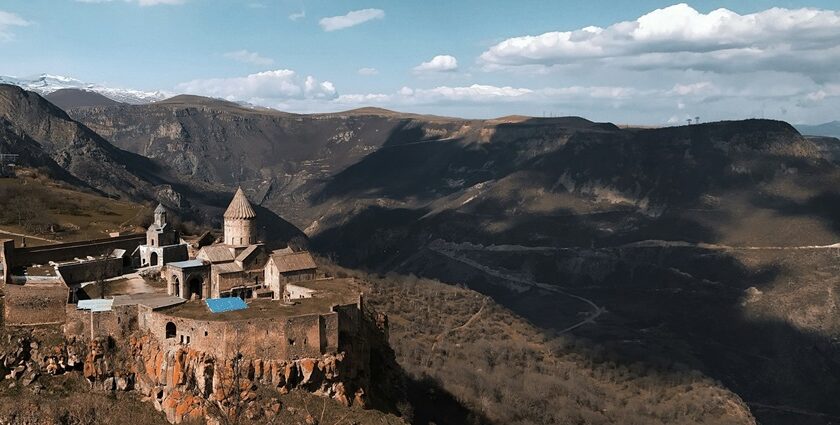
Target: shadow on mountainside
{"type": "Point", "coordinates": [667, 306]}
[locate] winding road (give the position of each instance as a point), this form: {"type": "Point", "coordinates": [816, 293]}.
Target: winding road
{"type": "Point", "coordinates": [596, 310]}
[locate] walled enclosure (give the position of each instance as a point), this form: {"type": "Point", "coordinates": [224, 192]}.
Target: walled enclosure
{"type": "Point", "coordinates": [68, 251]}
{"type": "Point", "coordinates": [277, 338]}
{"type": "Point", "coordinates": [90, 271]}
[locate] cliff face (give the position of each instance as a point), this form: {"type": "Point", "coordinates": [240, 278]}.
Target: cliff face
{"type": "Point", "coordinates": [186, 384]}
{"type": "Point", "coordinates": [76, 149]}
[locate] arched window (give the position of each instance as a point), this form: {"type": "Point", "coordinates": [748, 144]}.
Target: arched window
{"type": "Point", "coordinates": [170, 330]}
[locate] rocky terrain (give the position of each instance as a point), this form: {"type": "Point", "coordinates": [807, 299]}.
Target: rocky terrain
{"type": "Point", "coordinates": [189, 386]}
{"type": "Point", "coordinates": [707, 249]}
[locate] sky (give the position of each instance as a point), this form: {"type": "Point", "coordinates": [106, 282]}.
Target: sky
{"type": "Point", "coordinates": [629, 62]}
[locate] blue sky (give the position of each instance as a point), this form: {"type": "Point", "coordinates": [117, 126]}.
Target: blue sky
{"type": "Point", "coordinates": [478, 59]}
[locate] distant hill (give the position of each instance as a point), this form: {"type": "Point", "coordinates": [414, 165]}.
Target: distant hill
{"type": "Point", "coordinates": [45, 84]}
{"type": "Point", "coordinates": [72, 98]}
{"type": "Point", "coordinates": [829, 129]}
{"type": "Point", "coordinates": [46, 137]}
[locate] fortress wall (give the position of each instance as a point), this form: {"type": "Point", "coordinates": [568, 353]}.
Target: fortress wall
{"type": "Point", "coordinates": [303, 336]}
{"type": "Point", "coordinates": [35, 304]}
{"type": "Point", "coordinates": [68, 251]}
{"type": "Point", "coordinates": [258, 337]}
{"type": "Point", "coordinates": [89, 271]}
{"type": "Point", "coordinates": [118, 323]}
{"type": "Point", "coordinates": [329, 332]}
{"type": "Point", "coordinates": [266, 338]}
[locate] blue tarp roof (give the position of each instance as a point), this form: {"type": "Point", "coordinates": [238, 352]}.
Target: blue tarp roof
{"type": "Point", "coordinates": [95, 305]}
{"type": "Point", "coordinates": [221, 305]}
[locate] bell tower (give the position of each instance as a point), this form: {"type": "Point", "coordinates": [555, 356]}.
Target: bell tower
{"type": "Point", "coordinates": [239, 221]}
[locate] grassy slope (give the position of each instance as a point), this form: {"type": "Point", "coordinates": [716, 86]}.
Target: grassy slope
{"type": "Point", "coordinates": [33, 204]}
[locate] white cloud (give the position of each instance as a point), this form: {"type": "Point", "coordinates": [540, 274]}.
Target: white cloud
{"type": "Point", "coordinates": [482, 93]}
{"type": "Point", "coordinates": [297, 15]}
{"type": "Point", "coordinates": [264, 88]}
{"type": "Point", "coordinates": [680, 37]}
{"type": "Point", "coordinates": [9, 20]}
{"type": "Point", "coordinates": [439, 63]}
{"type": "Point", "coordinates": [351, 19]}
{"type": "Point", "coordinates": [703, 87]}
{"type": "Point", "coordinates": [368, 71]}
{"type": "Point", "coordinates": [245, 56]}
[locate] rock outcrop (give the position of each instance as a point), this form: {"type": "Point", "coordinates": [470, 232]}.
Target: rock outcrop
{"type": "Point", "coordinates": [185, 384]}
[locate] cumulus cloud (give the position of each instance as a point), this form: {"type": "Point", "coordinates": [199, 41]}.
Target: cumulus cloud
{"type": "Point", "coordinates": [680, 37]}
{"type": "Point", "coordinates": [9, 20]}
{"type": "Point", "coordinates": [368, 71]}
{"type": "Point", "coordinates": [440, 63]}
{"type": "Point", "coordinates": [351, 19]}
{"type": "Point", "coordinates": [245, 56]}
{"type": "Point", "coordinates": [264, 88]}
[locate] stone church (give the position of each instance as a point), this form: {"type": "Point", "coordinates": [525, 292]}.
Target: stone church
{"type": "Point", "coordinates": [240, 266]}
{"type": "Point", "coordinates": [163, 243]}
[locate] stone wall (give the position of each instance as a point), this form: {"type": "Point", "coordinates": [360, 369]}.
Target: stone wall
{"type": "Point", "coordinates": [89, 271]}
{"type": "Point", "coordinates": [118, 323]}
{"type": "Point", "coordinates": [34, 304]}
{"type": "Point", "coordinates": [68, 251]}
{"type": "Point", "coordinates": [269, 338]}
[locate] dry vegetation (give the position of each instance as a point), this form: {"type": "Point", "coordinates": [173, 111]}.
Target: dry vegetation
{"type": "Point", "coordinates": [69, 400]}
{"type": "Point", "coordinates": [504, 369]}
{"type": "Point", "coordinates": [36, 206]}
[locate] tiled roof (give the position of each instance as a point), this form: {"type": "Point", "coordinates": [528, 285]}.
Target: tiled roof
{"type": "Point", "coordinates": [217, 253]}
{"type": "Point", "coordinates": [239, 207]}
{"type": "Point", "coordinates": [225, 268]}
{"type": "Point", "coordinates": [294, 262]}
{"type": "Point", "coordinates": [248, 251]}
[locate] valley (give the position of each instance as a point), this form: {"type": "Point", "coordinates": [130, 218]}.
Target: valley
{"type": "Point", "coordinates": [692, 266]}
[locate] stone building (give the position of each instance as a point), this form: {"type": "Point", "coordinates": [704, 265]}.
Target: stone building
{"type": "Point", "coordinates": [240, 228]}
{"type": "Point", "coordinates": [240, 266]}
{"type": "Point", "coordinates": [285, 267]}
{"type": "Point", "coordinates": [188, 279]}
{"type": "Point", "coordinates": [163, 243]}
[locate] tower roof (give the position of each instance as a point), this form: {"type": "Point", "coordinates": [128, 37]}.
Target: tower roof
{"type": "Point", "coordinates": [239, 207]}
{"type": "Point", "coordinates": [160, 209]}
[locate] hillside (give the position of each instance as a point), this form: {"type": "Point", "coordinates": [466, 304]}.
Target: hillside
{"type": "Point", "coordinates": [829, 129]}
{"type": "Point", "coordinates": [74, 147]}
{"type": "Point", "coordinates": [648, 242]}
{"type": "Point", "coordinates": [71, 98]}
{"type": "Point", "coordinates": [274, 155]}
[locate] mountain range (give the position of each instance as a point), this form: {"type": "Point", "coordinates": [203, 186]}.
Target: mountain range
{"type": "Point", "coordinates": [829, 129]}
{"type": "Point", "coordinates": [705, 249]}
{"type": "Point", "coordinates": [45, 84]}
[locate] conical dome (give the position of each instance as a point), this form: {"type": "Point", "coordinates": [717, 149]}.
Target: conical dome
{"type": "Point", "coordinates": [239, 207]}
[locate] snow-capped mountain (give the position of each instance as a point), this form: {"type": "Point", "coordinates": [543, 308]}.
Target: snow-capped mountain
{"type": "Point", "coordinates": [46, 83]}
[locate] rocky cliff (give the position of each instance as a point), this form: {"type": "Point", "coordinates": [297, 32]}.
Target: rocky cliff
{"type": "Point", "coordinates": [188, 385]}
